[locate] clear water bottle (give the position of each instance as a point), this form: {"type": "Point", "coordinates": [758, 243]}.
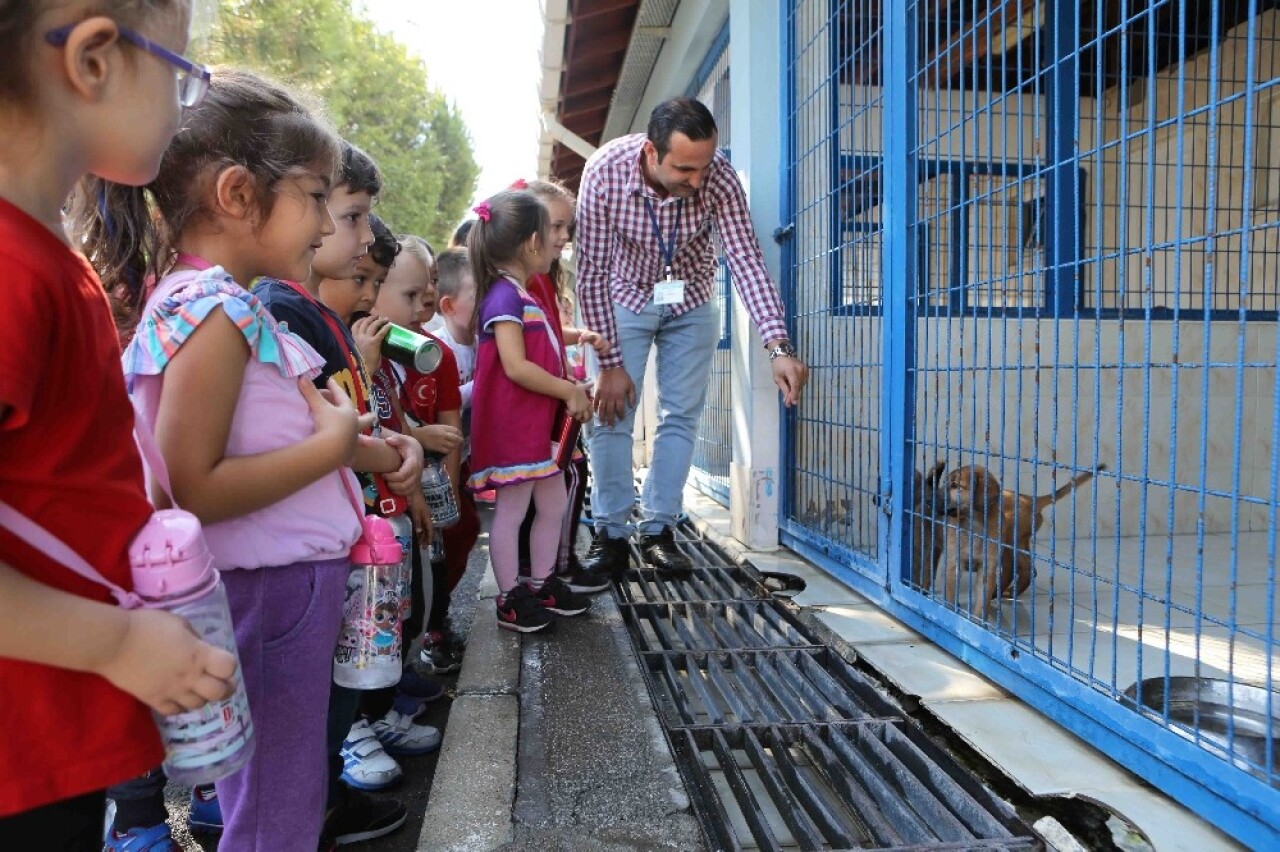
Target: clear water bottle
{"type": "Point", "coordinates": [173, 570]}
{"type": "Point", "coordinates": [436, 552]}
{"type": "Point", "coordinates": [403, 528]}
{"type": "Point", "coordinates": [437, 488]}
{"type": "Point", "coordinates": [368, 652]}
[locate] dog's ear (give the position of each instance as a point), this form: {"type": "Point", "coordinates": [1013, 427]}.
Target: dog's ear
{"type": "Point", "coordinates": [935, 474]}
{"type": "Point", "coordinates": [990, 488]}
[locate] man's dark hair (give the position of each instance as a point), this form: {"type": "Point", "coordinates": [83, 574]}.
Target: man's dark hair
{"type": "Point", "coordinates": [359, 173]}
{"type": "Point", "coordinates": [684, 115]}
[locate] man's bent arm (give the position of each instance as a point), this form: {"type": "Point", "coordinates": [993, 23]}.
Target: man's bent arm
{"type": "Point", "coordinates": [746, 262]}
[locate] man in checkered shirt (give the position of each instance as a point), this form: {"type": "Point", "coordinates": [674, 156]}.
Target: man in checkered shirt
{"type": "Point", "coordinates": [651, 208]}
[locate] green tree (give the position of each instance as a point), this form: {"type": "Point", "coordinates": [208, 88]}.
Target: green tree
{"type": "Point", "coordinates": [376, 94]}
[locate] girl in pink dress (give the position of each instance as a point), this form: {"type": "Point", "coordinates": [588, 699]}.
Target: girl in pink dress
{"type": "Point", "coordinates": [520, 386]}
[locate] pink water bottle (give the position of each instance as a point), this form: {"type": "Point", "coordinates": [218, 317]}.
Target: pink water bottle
{"type": "Point", "coordinates": [368, 653]}
{"type": "Point", "coordinates": [173, 570]}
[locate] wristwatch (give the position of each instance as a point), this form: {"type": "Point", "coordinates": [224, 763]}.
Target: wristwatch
{"type": "Point", "coordinates": [783, 349]}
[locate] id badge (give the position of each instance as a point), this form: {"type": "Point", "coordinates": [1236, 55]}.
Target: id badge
{"type": "Point", "coordinates": [669, 292]}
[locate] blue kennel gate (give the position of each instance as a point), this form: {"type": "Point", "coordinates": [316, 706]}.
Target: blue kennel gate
{"type": "Point", "coordinates": [1043, 237]}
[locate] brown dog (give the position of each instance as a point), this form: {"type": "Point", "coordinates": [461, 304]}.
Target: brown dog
{"type": "Point", "coordinates": [991, 532]}
{"type": "Point", "coordinates": [927, 531]}
{"type": "Point", "coordinates": [928, 508]}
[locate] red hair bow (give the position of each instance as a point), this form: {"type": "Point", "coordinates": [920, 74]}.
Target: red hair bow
{"type": "Point", "coordinates": [482, 211]}
{"type": "Point", "coordinates": [520, 183]}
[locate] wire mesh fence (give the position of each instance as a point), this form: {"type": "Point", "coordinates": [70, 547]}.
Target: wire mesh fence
{"type": "Point", "coordinates": [1034, 269]}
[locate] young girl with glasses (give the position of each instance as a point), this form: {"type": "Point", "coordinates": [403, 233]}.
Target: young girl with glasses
{"type": "Point", "coordinates": [78, 96]}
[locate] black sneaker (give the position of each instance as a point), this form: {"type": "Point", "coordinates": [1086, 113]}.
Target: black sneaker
{"type": "Point", "coordinates": [522, 612]}
{"type": "Point", "coordinates": [557, 597]}
{"type": "Point", "coordinates": [608, 555]}
{"type": "Point", "coordinates": [586, 580]}
{"type": "Point", "coordinates": [444, 656]}
{"type": "Point", "coordinates": [359, 816]}
{"type": "Point", "coordinates": [661, 552]}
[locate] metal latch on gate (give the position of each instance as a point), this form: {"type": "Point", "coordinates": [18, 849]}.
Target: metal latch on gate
{"type": "Point", "coordinates": [781, 235]}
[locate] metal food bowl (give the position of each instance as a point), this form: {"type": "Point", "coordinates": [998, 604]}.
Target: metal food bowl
{"type": "Point", "coordinates": [1232, 719]}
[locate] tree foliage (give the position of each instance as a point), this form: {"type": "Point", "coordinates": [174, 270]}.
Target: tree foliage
{"type": "Point", "coordinates": [376, 94]}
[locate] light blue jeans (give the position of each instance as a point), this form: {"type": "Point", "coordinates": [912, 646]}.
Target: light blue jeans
{"type": "Point", "coordinates": [686, 344]}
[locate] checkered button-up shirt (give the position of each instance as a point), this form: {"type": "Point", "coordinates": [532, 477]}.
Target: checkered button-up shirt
{"type": "Point", "coordinates": [619, 257]}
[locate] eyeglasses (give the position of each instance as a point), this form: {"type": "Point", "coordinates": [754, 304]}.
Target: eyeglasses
{"type": "Point", "coordinates": [193, 79]}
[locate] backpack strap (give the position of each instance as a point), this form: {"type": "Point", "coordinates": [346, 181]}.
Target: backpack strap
{"type": "Point", "coordinates": [151, 453]}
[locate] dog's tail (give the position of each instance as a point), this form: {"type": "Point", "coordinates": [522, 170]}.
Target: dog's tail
{"type": "Point", "coordinates": [1048, 500]}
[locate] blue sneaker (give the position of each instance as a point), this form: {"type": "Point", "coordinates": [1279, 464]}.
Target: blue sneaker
{"type": "Point", "coordinates": [400, 736]}
{"type": "Point", "coordinates": [205, 814]}
{"type": "Point", "coordinates": [365, 763]}
{"type": "Point", "coordinates": [153, 839]}
{"type": "Point", "coordinates": [415, 691]}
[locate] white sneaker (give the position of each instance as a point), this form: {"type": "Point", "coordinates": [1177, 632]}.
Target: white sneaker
{"type": "Point", "coordinates": [399, 735]}
{"type": "Point", "coordinates": [365, 764]}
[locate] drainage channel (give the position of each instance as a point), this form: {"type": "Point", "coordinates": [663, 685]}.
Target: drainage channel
{"type": "Point", "coordinates": [781, 743]}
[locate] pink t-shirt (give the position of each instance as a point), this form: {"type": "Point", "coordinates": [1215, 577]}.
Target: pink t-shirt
{"type": "Point", "coordinates": [314, 523]}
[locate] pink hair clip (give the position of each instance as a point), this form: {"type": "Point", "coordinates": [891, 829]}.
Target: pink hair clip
{"type": "Point", "coordinates": [482, 211]}
{"type": "Point", "coordinates": [520, 183]}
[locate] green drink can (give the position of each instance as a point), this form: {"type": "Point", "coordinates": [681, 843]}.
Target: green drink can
{"type": "Point", "coordinates": [411, 349]}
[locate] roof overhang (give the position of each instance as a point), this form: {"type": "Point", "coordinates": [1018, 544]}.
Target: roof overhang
{"type": "Point", "coordinates": [584, 49]}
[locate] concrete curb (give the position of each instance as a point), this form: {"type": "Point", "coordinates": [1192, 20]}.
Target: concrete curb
{"type": "Point", "coordinates": [471, 810]}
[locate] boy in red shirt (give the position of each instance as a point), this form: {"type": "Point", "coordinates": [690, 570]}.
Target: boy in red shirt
{"type": "Point", "coordinates": [433, 405]}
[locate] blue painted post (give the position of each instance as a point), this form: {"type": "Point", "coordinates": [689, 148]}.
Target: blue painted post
{"type": "Point", "coordinates": [785, 234]}
{"type": "Point", "coordinates": [1062, 187]}
{"type": "Point", "coordinates": [901, 173]}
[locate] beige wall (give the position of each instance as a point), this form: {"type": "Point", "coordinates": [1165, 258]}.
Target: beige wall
{"type": "Point", "coordinates": [1173, 197]}
{"type": "Point", "coordinates": [1048, 391]}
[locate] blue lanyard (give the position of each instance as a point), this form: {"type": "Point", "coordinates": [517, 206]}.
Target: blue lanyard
{"type": "Point", "coordinates": [668, 248]}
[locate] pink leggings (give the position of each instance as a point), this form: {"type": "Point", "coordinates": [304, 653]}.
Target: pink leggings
{"type": "Point", "coordinates": [551, 500]}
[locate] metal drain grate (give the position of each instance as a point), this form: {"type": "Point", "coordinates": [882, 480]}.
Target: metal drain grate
{"type": "Point", "coordinates": [763, 687]}
{"type": "Point", "coordinates": [870, 786]}
{"type": "Point", "coordinates": [737, 625]}
{"type": "Point", "coordinates": [708, 583]}
{"type": "Point", "coordinates": [782, 744]}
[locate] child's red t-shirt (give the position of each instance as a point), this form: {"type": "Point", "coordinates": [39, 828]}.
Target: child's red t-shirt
{"type": "Point", "coordinates": [68, 462]}
{"type": "Point", "coordinates": [425, 396]}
